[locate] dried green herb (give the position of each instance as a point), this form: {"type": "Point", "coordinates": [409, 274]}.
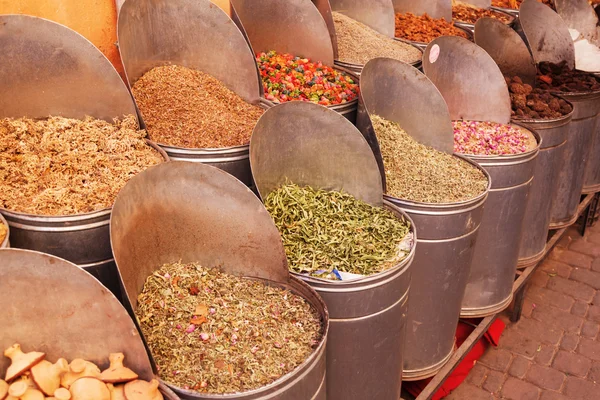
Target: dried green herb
{"type": "Point", "coordinates": [213, 332]}
{"type": "Point", "coordinates": [420, 173]}
{"type": "Point", "coordinates": [324, 232]}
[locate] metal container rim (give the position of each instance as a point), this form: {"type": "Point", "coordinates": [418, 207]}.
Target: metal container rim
{"type": "Point", "coordinates": [399, 268]}
{"type": "Point", "coordinates": [458, 204]}
{"type": "Point", "coordinates": [6, 238]}
{"type": "Point", "coordinates": [520, 157]}
{"type": "Point", "coordinates": [423, 45]}
{"type": "Point", "coordinates": [73, 217]}
{"type": "Point", "coordinates": [345, 64]}
{"type": "Point", "coordinates": [577, 96]}
{"type": "Point", "coordinates": [317, 302]}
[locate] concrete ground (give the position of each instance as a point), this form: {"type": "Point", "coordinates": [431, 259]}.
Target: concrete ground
{"type": "Point", "coordinates": [553, 352]}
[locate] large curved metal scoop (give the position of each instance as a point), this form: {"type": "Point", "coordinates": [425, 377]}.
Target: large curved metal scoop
{"type": "Point", "coordinates": [433, 8]}
{"type": "Point", "coordinates": [51, 305]}
{"type": "Point", "coordinates": [49, 69]}
{"type": "Point", "coordinates": [192, 33]}
{"type": "Point", "coordinates": [468, 78]}
{"type": "Point", "coordinates": [478, 3]}
{"type": "Point", "coordinates": [580, 15]}
{"type": "Point", "coordinates": [507, 49]}
{"type": "Point", "coordinates": [191, 212]}
{"type": "Point", "coordinates": [377, 14]}
{"type": "Point", "coordinates": [399, 92]}
{"type": "Point", "coordinates": [291, 26]}
{"type": "Point", "coordinates": [547, 34]}
{"type": "Point", "coordinates": [308, 144]}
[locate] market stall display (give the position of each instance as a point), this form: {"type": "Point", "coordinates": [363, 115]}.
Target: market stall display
{"type": "Point", "coordinates": [199, 99]}
{"type": "Point", "coordinates": [540, 110]}
{"type": "Point", "coordinates": [84, 321]}
{"type": "Point", "coordinates": [273, 30]}
{"type": "Point", "coordinates": [422, 29]}
{"type": "Point", "coordinates": [62, 173]}
{"type": "Point", "coordinates": [507, 153]}
{"type": "Point", "coordinates": [444, 194]}
{"type": "Point", "coordinates": [467, 13]}
{"type": "Point", "coordinates": [552, 49]}
{"type": "Point", "coordinates": [366, 291]}
{"type": "Point", "coordinates": [231, 281]}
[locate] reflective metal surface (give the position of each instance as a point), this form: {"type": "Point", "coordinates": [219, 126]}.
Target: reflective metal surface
{"type": "Point", "coordinates": [49, 69]}
{"type": "Point", "coordinates": [489, 287]}
{"type": "Point", "coordinates": [506, 48]}
{"type": "Point", "coordinates": [48, 304]}
{"type": "Point", "coordinates": [368, 315]}
{"type": "Point", "coordinates": [81, 238]}
{"type": "Point", "coordinates": [291, 26]}
{"type": "Point", "coordinates": [434, 8]}
{"type": "Point", "coordinates": [325, 9]}
{"type": "Point", "coordinates": [591, 178]}
{"type": "Point", "coordinates": [468, 78]}
{"type": "Point", "coordinates": [554, 134]}
{"type": "Point", "coordinates": [197, 213]}
{"type": "Point", "coordinates": [398, 92]}
{"type": "Point", "coordinates": [6, 242]}
{"type": "Point", "coordinates": [580, 15]}
{"type": "Point", "coordinates": [479, 3]}
{"type": "Point", "coordinates": [586, 107]}
{"type": "Point", "coordinates": [547, 34]}
{"type": "Point", "coordinates": [378, 14]}
{"type": "Point", "coordinates": [192, 33]}
{"type": "Point", "coordinates": [311, 145]}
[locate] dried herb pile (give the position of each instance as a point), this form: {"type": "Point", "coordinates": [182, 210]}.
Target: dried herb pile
{"type": "Point", "coordinates": [186, 108]}
{"type": "Point", "coordinates": [490, 138]}
{"type": "Point", "coordinates": [61, 166]}
{"type": "Point", "coordinates": [470, 14]}
{"type": "Point", "coordinates": [325, 232]}
{"type": "Point", "coordinates": [423, 28]}
{"type": "Point", "coordinates": [515, 4]}
{"type": "Point", "coordinates": [217, 333]}
{"type": "Point", "coordinates": [288, 78]}
{"type": "Point", "coordinates": [3, 232]}
{"type": "Point", "coordinates": [530, 103]}
{"type": "Point", "coordinates": [420, 173]}
{"type": "Point", "coordinates": [560, 78]}
{"type": "Point", "coordinates": [358, 43]}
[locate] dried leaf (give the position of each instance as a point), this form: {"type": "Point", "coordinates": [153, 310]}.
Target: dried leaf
{"type": "Point", "coordinates": [201, 309]}
{"type": "Point", "coordinates": [198, 320]}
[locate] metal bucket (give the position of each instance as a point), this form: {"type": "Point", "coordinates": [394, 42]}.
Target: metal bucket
{"type": "Point", "coordinates": [447, 235]}
{"type": "Point", "coordinates": [362, 313]}
{"type": "Point", "coordinates": [579, 142]}
{"type": "Point", "coordinates": [6, 242]}
{"type": "Point", "coordinates": [591, 180]}
{"type": "Point", "coordinates": [236, 233]}
{"type": "Point", "coordinates": [554, 134]}
{"type": "Point", "coordinates": [489, 287]}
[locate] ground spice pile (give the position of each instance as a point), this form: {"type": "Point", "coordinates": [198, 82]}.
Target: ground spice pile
{"type": "Point", "coordinates": [326, 232]}
{"type": "Point", "coordinates": [420, 173]}
{"type": "Point", "coordinates": [358, 43]}
{"type": "Point", "coordinates": [183, 107]}
{"type": "Point", "coordinates": [530, 103]}
{"type": "Point", "coordinates": [515, 4]}
{"type": "Point", "coordinates": [3, 232]}
{"type": "Point", "coordinates": [490, 138]}
{"type": "Point", "coordinates": [423, 28]}
{"type": "Point", "coordinates": [61, 166]}
{"type": "Point", "coordinates": [470, 14]}
{"type": "Point", "coordinates": [288, 78]}
{"type": "Point", "coordinates": [216, 333]}
{"type": "Point", "coordinates": [560, 78]}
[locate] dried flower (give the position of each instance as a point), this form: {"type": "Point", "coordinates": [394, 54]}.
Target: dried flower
{"type": "Point", "coordinates": [490, 138]}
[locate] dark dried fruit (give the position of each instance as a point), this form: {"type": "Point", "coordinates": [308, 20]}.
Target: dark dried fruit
{"type": "Point", "coordinates": [529, 103]}
{"type": "Point", "coordinates": [560, 78]}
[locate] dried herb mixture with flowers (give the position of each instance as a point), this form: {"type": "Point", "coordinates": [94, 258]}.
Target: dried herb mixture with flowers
{"type": "Point", "coordinates": [288, 78]}
{"type": "Point", "coordinates": [420, 173]}
{"type": "Point", "coordinates": [491, 138]}
{"type": "Point", "coordinates": [186, 108]}
{"type": "Point", "coordinates": [62, 166]}
{"type": "Point", "coordinates": [329, 233]}
{"type": "Point", "coordinates": [470, 14]}
{"type": "Point", "coordinates": [423, 28]}
{"type": "Point", "coordinates": [216, 333]}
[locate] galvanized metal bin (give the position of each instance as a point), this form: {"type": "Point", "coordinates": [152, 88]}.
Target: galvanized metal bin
{"type": "Point", "coordinates": [80, 318]}
{"type": "Point", "coordinates": [154, 222]}
{"type": "Point", "coordinates": [447, 237]}
{"type": "Point", "coordinates": [367, 315]}
{"type": "Point", "coordinates": [577, 150]}
{"type": "Point", "coordinates": [554, 135]}
{"type": "Point", "coordinates": [489, 287]}
{"type": "Point", "coordinates": [591, 179]}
